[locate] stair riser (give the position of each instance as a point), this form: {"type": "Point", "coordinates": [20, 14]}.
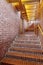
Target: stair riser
{"type": "Point", "coordinates": [26, 42]}
{"type": "Point", "coordinates": [29, 52]}
{"type": "Point", "coordinates": [30, 46]}
{"type": "Point", "coordinates": [26, 59]}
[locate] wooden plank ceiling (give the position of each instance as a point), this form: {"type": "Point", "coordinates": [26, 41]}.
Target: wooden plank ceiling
{"type": "Point", "coordinates": [28, 8]}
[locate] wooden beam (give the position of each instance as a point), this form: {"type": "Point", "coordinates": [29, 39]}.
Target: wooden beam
{"type": "Point", "coordinates": [12, 1]}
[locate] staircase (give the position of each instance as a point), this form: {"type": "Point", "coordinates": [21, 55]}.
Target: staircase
{"type": "Point", "coordinates": [25, 50]}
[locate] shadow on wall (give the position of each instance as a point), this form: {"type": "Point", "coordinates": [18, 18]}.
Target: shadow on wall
{"type": "Point", "coordinates": [9, 26]}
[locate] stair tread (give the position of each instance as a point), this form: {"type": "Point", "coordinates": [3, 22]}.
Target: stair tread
{"type": "Point", "coordinates": [27, 49]}
{"type": "Point", "coordinates": [26, 45]}
{"type": "Point", "coordinates": [24, 55]}
{"type": "Point", "coordinates": [31, 38]}
{"type": "Point", "coordinates": [18, 62]}
{"type": "Point", "coordinates": [17, 44]}
{"type": "Point", "coordinates": [28, 37]}
{"type": "Point", "coordinates": [26, 42]}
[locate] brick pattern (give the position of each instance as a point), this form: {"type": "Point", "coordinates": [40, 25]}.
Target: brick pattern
{"type": "Point", "coordinates": [9, 25]}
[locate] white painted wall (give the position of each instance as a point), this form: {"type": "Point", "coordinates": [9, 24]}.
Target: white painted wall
{"type": "Point", "coordinates": [25, 24]}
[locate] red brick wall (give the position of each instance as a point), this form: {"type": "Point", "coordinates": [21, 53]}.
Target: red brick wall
{"type": "Point", "coordinates": [9, 26]}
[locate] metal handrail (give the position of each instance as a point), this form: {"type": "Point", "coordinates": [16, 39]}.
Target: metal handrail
{"type": "Point", "coordinates": [40, 29]}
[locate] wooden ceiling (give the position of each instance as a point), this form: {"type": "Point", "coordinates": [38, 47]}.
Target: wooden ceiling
{"type": "Point", "coordinates": [24, 1]}
{"type": "Point", "coordinates": [28, 8]}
